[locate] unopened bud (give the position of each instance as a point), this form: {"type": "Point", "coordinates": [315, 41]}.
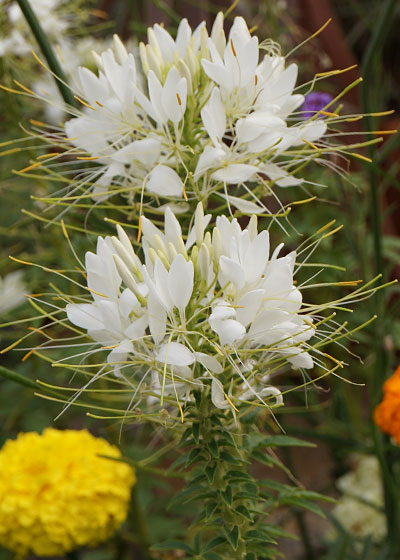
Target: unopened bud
{"type": "Point", "coordinates": [119, 49]}
{"type": "Point", "coordinates": [252, 227]}
{"type": "Point", "coordinates": [128, 279]}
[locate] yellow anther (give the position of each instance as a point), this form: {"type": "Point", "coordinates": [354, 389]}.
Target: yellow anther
{"type": "Point", "coordinates": [233, 48]}
{"type": "Point", "coordinates": [313, 146]}
{"type": "Point", "coordinates": [184, 193]}
{"type": "Point", "coordinates": [335, 72]}
{"type": "Point", "coordinates": [378, 132]}
{"type": "Point", "coordinates": [60, 56]}
{"type": "Point", "coordinates": [33, 166]}
{"type": "Point", "coordinates": [179, 99]}
{"type": "Point", "coordinates": [84, 103]}
{"type": "Point", "coordinates": [332, 232]}
{"type": "Point", "coordinates": [321, 28]}
{"type": "Point", "coordinates": [10, 90]}
{"type": "Point", "coordinates": [45, 156]}
{"type": "Point", "coordinates": [11, 151]}
{"type": "Point", "coordinates": [26, 356]}
{"type": "Point", "coordinates": [140, 229]}
{"type": "Point", "coordinates": [349, 283]}
{"type": "Point", "coordinates": [340, 364]}
{"type": "Point", "coordinates": [37, 123]}
{"type": "Point", "coordinates": [88, 158]}
{"type": "Point", "coordinates": [24, 87]}
{"type": "Point", "coordinates": [35, 56]}
{"type": "Point", "coordinates": [304, 201]}
{"type": "Point", "coordinates": [328, 114]}
{"type": "Point", "coordinates": [363, 158]}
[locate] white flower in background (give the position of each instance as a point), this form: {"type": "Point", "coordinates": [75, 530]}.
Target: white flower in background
{"type": "Point", "coordinates": [360, 508]}
{"type": "Point", "coordinates": [12, 291]}
{"type": "Point", "coordinates": [20, 41]}
{"type": "Point", "coordinates": [190, 117]}
{"type": "Point", "coordinates": [195, 311]}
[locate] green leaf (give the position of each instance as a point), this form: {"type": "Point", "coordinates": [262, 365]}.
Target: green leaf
{"type": "Point", "coordinates": [227, 439]}
{"type": "Point", "coordinates": [196, 432]}
{"type": "Point", "coordinates": [251, 556]}
{"type": "Point", "coordinates": [233, 536]}
{"type": "Point", "coordinates": [251, 488]}
{"type": "Point", "coordinates": [193, 455]}
{"type": "Point", "coordinates": [242, 510]}
{"type": "Point", "coordinates": [260, 536]}
{"type": "Point", "coordinates": [259, 440]}
{"type": "Point", "coordinates": [226, 495]}
{"type": "Point", "coordinates": [173, 545]}
{"type": "Point", "coordinates": [228, 458]}
{"type": "Point", "coordinates": [214, 543]}
{"type": "Point", "coordinates": [238, 474]}
{"type": "Point", "coordinates": [210, 472]}
{"type": "Point", "coordinates": [303, 504]}
{"type": "Point", "coordinates": [184, 437]}
{"type": "Point", "coordinates": [212, 447]}
{"type": "Point", "coordinates": [211, 507]}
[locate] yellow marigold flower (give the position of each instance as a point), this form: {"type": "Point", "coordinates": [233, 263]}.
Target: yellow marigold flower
{"type": "Point", "coordinates": [57, 493]}
{"type": "Point", "coordinates": [387, 413]}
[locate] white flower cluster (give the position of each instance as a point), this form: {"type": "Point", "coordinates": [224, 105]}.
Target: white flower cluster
{"type": "Point", "coordinates": [196, 310]}
{"type": "Point", "coordinates": [360, 508]}
{"type": "Point", "coordinates": [197, 114]}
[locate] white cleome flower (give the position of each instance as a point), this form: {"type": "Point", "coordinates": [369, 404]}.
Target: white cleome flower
{"type": "Point", "coordinates": [196, 311]}
{"type": "Point", "coordinates": [190, 117]}
{"type": "Point", "coordinates": [12, 291]}
{"type": "Point", "coordinates": [360, 508]}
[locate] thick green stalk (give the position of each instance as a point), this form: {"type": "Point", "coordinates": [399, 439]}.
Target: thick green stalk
{"type": "Point", "coordinates": [47, 51]}
{"type": "Point", "coordinates": [371, 59]}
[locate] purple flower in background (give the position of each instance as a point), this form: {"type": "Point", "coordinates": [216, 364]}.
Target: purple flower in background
{"type": "Point", "coordinates": [313, 103]}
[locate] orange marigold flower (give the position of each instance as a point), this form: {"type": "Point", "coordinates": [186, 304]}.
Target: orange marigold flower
{"type": "Point", "coordinates": [387, 413]}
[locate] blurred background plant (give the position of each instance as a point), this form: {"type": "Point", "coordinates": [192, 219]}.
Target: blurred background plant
{"type": "Point", "coordinates": [339, 416]}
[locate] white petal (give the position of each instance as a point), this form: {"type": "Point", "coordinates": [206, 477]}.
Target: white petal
{"type": "Point", "coordinates": [245, 206]}
{"type": "Point", "coordinates": [301, 360]}
{"type": "Point", "coordinates": [175, 354]}
{"type": "Point", "coordinates": [213, 116]}
{"type": "Point", "coordinates": [180, 282]}
{"type": "Point", "coordinates": [217, 394]}
{"type": "Point", "coordinates": [85, 315]}
{"type": "Point", "coordinates": [164, 181]}
{"type": "Point", "coordinates": [279, 175]}
{"type": "Point", "coordinates": [209, 362]}
{"type": "Point", "coordinates": [231, 271]}
{"type": "Point", "coordinates": [235, 173]}
{"type": "Point", "coordinates": [147, 151]}
{"type": "Point", "coordinates": [248, 305]}
{"type": "Point", "coordinates": [210, 158]}
{"type": "Point", "coordinates": [157, 318]}
{"type": "Point", "coordinates": [172, 227]}
{"type": "Point", "coordinates": [174, 96]}
{"type": "Point", "coordinates": [155, 93]}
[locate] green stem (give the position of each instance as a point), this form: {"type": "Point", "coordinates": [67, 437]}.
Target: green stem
{"type": "Point", "coordinates": [47, 51]}
{"type": "Point", "coordinates": [371, 61]}
{"type": "Point", "coordinates": [140, 526]}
